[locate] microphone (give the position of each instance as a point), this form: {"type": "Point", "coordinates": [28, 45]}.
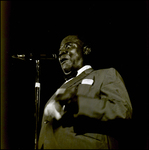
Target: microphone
{"type": "Point", "coordinates": [35, 56]}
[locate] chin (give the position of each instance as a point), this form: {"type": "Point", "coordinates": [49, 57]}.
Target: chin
{"type": "Point", "coordinates": [66, 72]}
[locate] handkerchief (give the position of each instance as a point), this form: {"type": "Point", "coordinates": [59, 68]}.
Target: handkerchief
{"type": "Point", "coordinates": [87, 81]}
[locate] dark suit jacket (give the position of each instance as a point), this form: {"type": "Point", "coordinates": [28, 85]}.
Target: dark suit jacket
{"type": "Point", "coordinates": [104, 106]}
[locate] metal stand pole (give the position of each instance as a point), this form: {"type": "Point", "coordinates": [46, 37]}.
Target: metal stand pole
{"type": "Point", "coordinates": [37, 102]}
{"type": "Point", "coordinates": [37, 85]}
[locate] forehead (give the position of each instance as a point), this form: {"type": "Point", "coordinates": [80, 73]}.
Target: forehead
{"type": "Point", "coordinates": [71, 39]}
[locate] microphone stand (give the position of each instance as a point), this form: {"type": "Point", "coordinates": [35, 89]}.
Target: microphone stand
{"type": "Point", "coordinates": [37, 96]}
{"type": "Point", "coordinates": [37, 101]}
{"type": "Point", "coordinates": [37, 86]}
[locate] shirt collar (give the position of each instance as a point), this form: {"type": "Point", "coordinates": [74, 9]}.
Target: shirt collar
{"type": "Point", "coordinates": [83, 69]}
{"type": "Point", "coordinates": [80, 71]}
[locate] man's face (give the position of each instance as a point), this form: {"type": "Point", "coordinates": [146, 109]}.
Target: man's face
{"type": "Point", "coordinates": [70, 54]}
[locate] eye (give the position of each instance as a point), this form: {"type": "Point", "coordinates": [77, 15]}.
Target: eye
{"type": "Point", "coordinates": [68, 45]}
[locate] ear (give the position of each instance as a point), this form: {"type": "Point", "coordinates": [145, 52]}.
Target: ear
{"type": "Point", "coordinates": [86, 50]}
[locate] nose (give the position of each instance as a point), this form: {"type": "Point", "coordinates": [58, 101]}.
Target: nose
{"type": "Point", "coordinates": [62, 52]}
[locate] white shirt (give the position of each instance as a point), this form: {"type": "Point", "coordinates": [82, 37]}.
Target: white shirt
{"type": "Point", "coordinates": [80, 71]}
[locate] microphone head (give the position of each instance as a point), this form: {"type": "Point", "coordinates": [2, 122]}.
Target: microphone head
{"type": "Point", "coordinates": [35, 56]}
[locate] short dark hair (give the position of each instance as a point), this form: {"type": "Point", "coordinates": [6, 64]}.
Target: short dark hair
{"type": "Point", "coordinates": [87, 48]}
{"type": "Point", "coordinates": [84, 39]}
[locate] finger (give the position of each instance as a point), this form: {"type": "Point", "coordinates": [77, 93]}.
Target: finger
{"type": "Point", "coordinates": [57, 115]}
{"type": "Point", "coordinates": [60, 91]}
{"type": "Point", "coordinates": [66, 94]}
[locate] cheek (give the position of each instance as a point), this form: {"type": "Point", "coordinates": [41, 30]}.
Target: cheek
{"type": "Point", "coordinates": [77, 61]}
{"type": "Point", "coordinates": [74, 55]}
{"type": "Point", "coordinates": [76, 58]}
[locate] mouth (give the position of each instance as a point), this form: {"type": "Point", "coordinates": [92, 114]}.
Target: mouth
{"type": "Point", "coordinates": [63, 60]}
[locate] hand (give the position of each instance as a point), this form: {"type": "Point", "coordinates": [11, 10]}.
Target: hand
{"type": "Point", "coordinates": [54, 110]}
{"type": "Point", "coordinates": [67, 98]}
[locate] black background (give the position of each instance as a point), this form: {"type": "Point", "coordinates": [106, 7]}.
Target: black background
{"type": "Point", "coordinates": [118, 32]}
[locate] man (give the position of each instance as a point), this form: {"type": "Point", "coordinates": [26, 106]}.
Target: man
{"type": "Point", "coordinates": [90, 110]}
